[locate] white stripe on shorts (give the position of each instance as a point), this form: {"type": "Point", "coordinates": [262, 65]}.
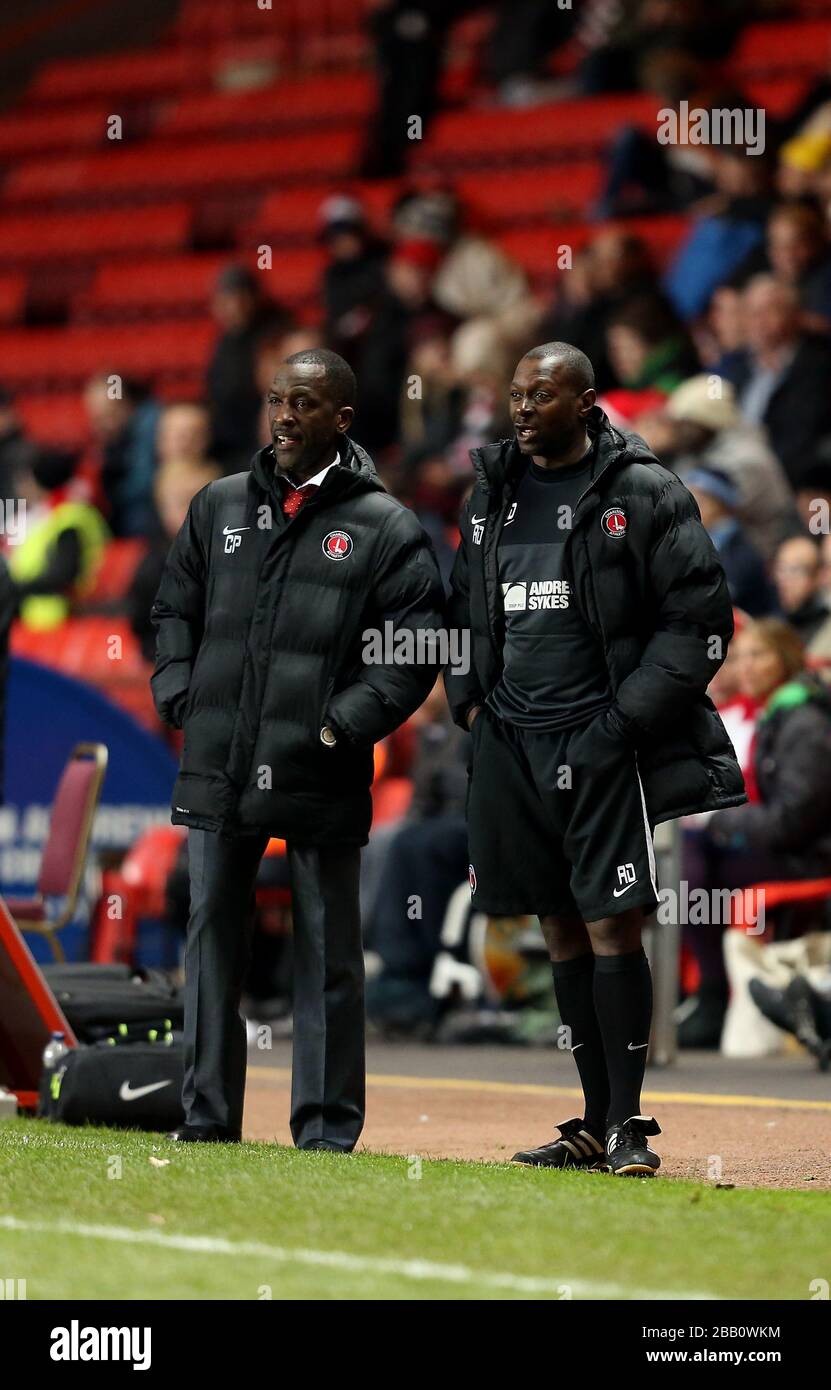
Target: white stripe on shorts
{"type": "Point", "coordinates": [650, 848]}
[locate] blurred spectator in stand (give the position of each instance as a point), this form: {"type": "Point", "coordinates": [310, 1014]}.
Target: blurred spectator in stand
{"type": "Point", "coordinates": [648, 347]}
{"type": "Point", "coordinates": [784, 831]}
{"type": "Point", "coordinates": [409, 38]}
{"type": "Point", "coordinates": [720, 335]}
{"type": "Point", "coordinates": [813, 496]}
{"type": "Point", "coordinates": [123, 423]}
{"type": "Point", "coordinates": [405, 313]}
{"type": "Point", "coordinates": [184, 434]}
{"type": "Point", "coordinates": [782, 375]}
{"type": "Point", "coordinates": [16, 451]}
{"type": "Point", "coordinates": [701, 427]}
{"type": "Point", "coordinates": [244, 317]}
{"type": "Point", "coordinates": [643, 175]}
{"type": "Point", "coordinates": [64, 544]}
{"type": "Point", "coordinates": [799, 255]}
{"type": "Point", "coordinates": [744, 568]}
{"type": "Point", "coordinates": [354, 278]}
{"type": "Point", "coordinates": [729, 226]}
{"type": "Point", "coordinates": [613, 269]}
{"type": "Point", "coordinates": [799, 574]}
{"type": "Point", "coordinates": [424, 861]}
{"type": "Point", "coordinates": [176, 485]}
{"type": "Point", "coordinates": [473, 277]}
{"type": "Point", "coordinates": [618, 40]}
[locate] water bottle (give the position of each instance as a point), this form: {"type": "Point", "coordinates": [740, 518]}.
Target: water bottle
{"type": "Point", "coordinates": [54, 1050]}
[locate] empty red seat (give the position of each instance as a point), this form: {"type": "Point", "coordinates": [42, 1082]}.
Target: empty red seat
{"type": "Point", "coordinates": [340, 99]}
{"type": "Point", "coordinates": [44, 132]}
{"type": "Point", "coordinates": [57, 419]}
{"type": "Point", "coordinates": [12, 297]}
{"type": "Point", "coordinates": [543, 193]}
{"type": "Point", "coordinates": [559, 130]}
{"type": "Point", "coordinates": [787, 45]}
{"type": "Point", "coordinates": [115, 574]}
{"type": "Point", "coordinates": [36, 357]}
{"type": "Point", "coordinates": [120, 75]}
{"type": "Point", "coordinates": [160, 167]}
{"type": "Point", "coordinates": [293, 214]}
{"type": "Point", "coordinates": [28, 238]}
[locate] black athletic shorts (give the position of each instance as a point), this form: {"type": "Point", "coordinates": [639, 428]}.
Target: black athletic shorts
{"type": "Point", "coordinates": [557, 822]}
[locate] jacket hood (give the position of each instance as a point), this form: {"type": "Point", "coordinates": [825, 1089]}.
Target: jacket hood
{"type": "Point", "coordinates": [356, 466]}
{"type": "Point", "coordinates": [496, 464]}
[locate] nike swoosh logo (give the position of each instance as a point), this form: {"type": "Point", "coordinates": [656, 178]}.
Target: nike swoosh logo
{"type": "Point", "coordinates": [620, 891]}
{"type": "Point", "coordinates": [636, 1047]}
{"type": "Point", "coordinates": [575, 1047]}
{"type": "Point", "coordinates": [232, 530]}
{"type": "Point", "coordinates": [127, 1092]}
{"type": "Point", "coordinates": [477, 520]}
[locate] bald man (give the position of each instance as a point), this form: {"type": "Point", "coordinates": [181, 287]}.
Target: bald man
{"type": "Point", "coordinates": [599, 613]}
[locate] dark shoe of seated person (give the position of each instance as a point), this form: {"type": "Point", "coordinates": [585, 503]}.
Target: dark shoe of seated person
{"type": "Point", "coordinates": [203, 1134]}
{"type": "Point", "coordinates": [701, 1019]}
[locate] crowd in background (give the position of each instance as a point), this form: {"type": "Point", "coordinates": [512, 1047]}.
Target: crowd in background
{"type": "Point", "coordinates": [720, 360]}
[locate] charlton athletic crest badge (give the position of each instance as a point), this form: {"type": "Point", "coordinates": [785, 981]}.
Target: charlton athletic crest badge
{"type": "Point", "coordinates": [614, 523]}
{"type": "Point", "coordinates": [337, 545]}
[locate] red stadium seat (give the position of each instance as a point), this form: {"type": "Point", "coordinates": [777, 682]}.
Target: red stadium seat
{"type": "Point", "coordinates": [537, 248]}
{"type": "Point", "coordinates": [35, 357]}
{"type": "Point", "coordinates": [28, 238]}
{"type": "Point", "coordinates": [293, 214]}
{"type": "Point", "coordinates": [47, 132]}
{"type": "Point", "coordinates": [183, 284]}
{"type": "Point", "coordinates": [115, 573]}
{"type": "Point", "coordinates": [560, 130]}
{"type": "Point", "coordinates": [785, 893]}
{"type": "Point", "coordinates": [161, 168]}
{"type": "Point", "coordinates": [342, 100]}
{"type": "Point", "coordinates": [541, 194]}
{"type": "Point", "coordinates": [785, 46]}
{"type": "Point", "coordinates": [65, 851]}
{"type": "Point", "coordinates": [121, 76]}
{"type": "Point", "coordinates": [58, 419]}
{"type": "Point", "coordinates": [12, 297]}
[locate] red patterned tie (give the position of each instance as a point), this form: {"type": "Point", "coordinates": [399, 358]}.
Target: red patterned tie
{"type": "Point", "coordinates": [297, 497]}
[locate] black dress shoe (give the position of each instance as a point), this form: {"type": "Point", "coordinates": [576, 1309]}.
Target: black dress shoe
{"type": "Point", "coordinates": [203, 1134]}
{"type": "Point", "coordinates": [326, 1145]}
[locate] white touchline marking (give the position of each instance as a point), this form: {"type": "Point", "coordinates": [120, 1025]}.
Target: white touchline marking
{"type": "Point", "coordinates": [356, 1264]}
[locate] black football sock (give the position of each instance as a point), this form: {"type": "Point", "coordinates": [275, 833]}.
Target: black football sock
{"type": "Point", "coordinates": [574, 990]}
{"type": "Point", "coordinates": [623, 1002]}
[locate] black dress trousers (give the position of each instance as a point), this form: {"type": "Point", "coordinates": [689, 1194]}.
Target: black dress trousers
{"type": "Point", "coordinates": [328, 1065]}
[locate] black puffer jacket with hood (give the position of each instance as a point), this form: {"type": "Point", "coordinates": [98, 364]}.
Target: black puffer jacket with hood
{"type": "Point", "coordinates": [260, 642]}
{"type": "Point", "coordinates": [648, 582]}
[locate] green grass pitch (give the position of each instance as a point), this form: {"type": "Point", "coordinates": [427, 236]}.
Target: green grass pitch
{"type": "Point", "coordinates": [87, 1214]}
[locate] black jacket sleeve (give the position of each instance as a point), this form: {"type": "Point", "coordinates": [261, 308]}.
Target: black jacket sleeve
{"type": "Point", "coordinates": [461, 682]}
{"type": "Point", "coordinates": [408, 594]}
{"type": "Point", "coordinates": [694, 619]}
{"type": "Point", "coordinates": [799, 810]}
{"type": "Point", "coordinates": [178, 616]}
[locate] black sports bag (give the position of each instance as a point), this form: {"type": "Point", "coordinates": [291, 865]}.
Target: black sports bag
{"type": "Point", "coordinates": [131, 1086]}
{"type": "Point", "coordinates": [95, 999]}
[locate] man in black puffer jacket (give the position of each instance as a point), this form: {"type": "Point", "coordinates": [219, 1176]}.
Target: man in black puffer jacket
{"type": "Point", "coordinates": [598, 612]}
{"type": "Point", "coordinates": [271, 586]}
